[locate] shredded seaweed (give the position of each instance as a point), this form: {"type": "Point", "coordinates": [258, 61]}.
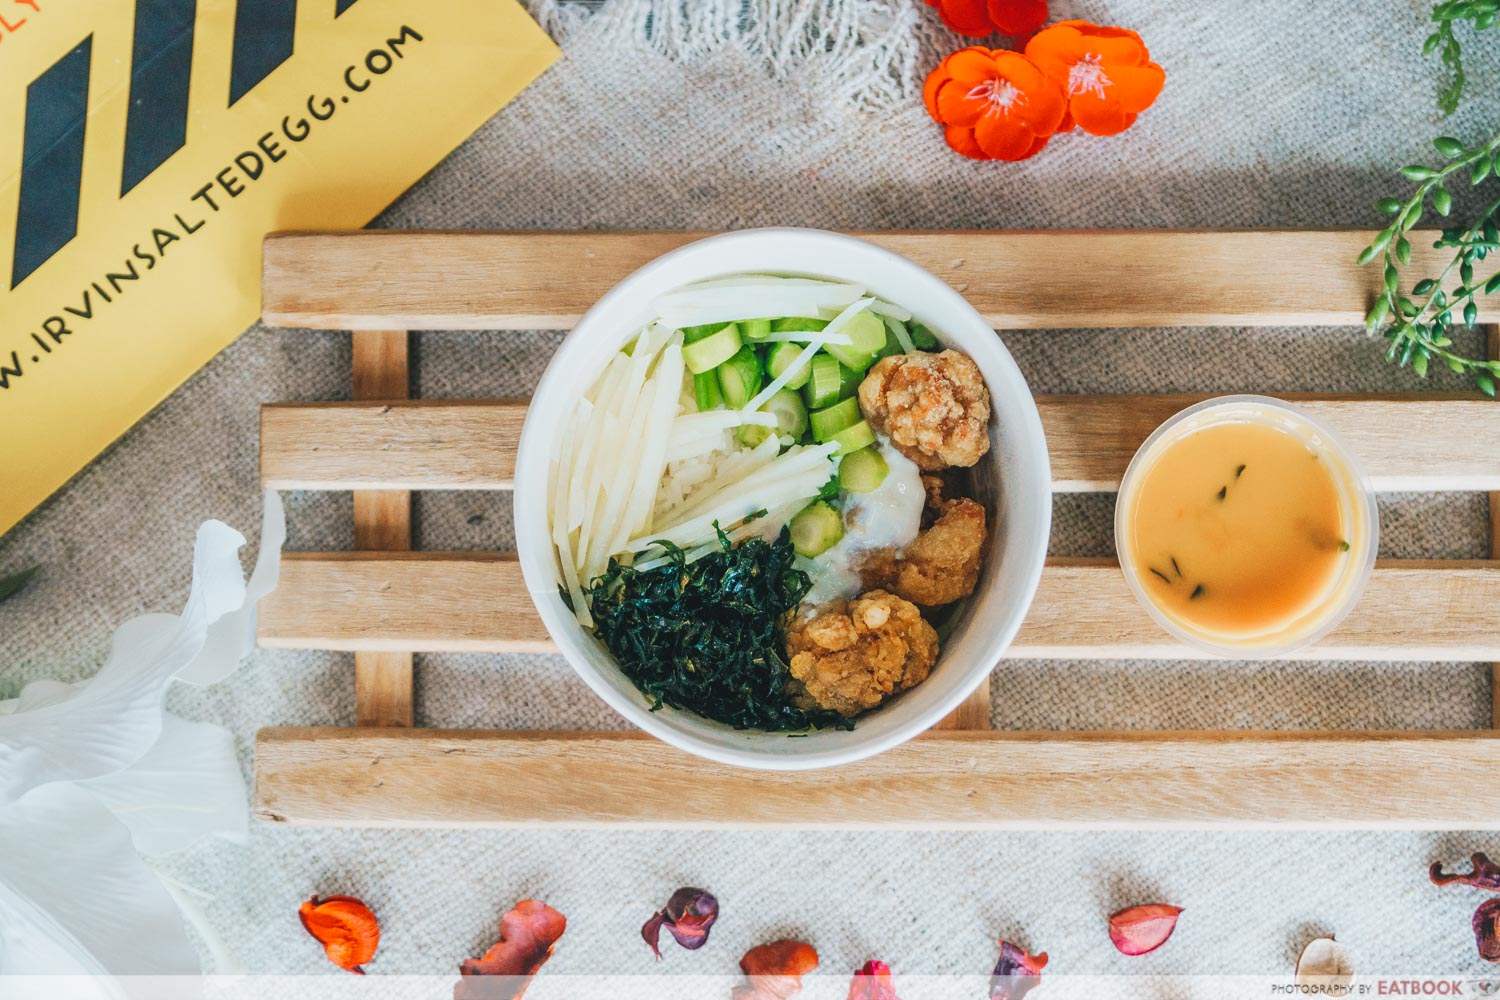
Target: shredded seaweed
{"type": "Point", "coordinates": [710, 636]}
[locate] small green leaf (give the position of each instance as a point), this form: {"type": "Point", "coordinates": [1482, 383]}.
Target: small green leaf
{"type": "Point", "coordinates": [1390, 206]}
{"type": "Point", "coordinates": [1392, 277]}
{"type": "Point", "coordinates": [1417, 172]}
{"type": "Point", "coordinates": [1481, 170]}
{"type": "Point", "coordinates": [1456, 366]}
{"type": "Point", "coordinates": [1442, 201]}
{"type": "Point", "coordinates": [1430, 43]}
{"type": "Point", "coordinates": [1377, 314]}
{"type": "Point", "coordinates": [1448, 146]}
{"type": "Point", "coordinates": [1403, 250]}
{"type": "Point", "coordinates": [1486, 383]}
{"type": "Point", "coordinates": [12, 585]}
{"type": "Point", "coordinates": [1370, 252]}
{"type": "Point", "coordinates": [1424, 287]}
{"type": "Point", "coordinates": [1471, 314]}
{"type": "Point", "coordinates": [1419, 365]}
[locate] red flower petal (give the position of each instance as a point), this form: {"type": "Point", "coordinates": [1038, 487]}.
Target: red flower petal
{"type": "Point", "coordinates": [967, 17]}
{"type": "Point", "coordinates": [776, 970]}
{"type": "Point", "coordinates": [1016, 972]}
{"type": "Point", "coordinates": [1142, 929]}
{"type": "Point", "coordinates": [961, 140]}
{"type": "Point", "coordinates": [873, 982]}
{"type": "Point", "coordinates": [1485, 874]}
{"type": "Point", "coordinates": [1487, 930]}
{"type": "Point", "coordinates": [527, 934]}
{"type": "Point", "coordinates": [1017, 17]}
{"type": "Point", "coordinates": [689, 915]}
{"type": "Point", "coordinates": [345, 927]}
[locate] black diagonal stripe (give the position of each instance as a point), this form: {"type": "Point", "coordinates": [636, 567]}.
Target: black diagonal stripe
{"type": "Point", "coordinates": [264, 31]}
{"type": "Point", "coordinates": [161, 61]}
{"type": "Point", "coordinates": [52, 161]}
{"type": "Point", "coordinates": [342, 6]}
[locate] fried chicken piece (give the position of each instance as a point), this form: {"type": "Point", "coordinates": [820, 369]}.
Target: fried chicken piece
{"type": "Point", "coordinates": [942, 564]}
{"type": "Point", "coordinates": [855, 654]}
{"type": "Point", "coordinates": [934, 407]}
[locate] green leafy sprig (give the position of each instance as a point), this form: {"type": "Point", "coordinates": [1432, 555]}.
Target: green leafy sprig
{"type": "Point", "coordinates": [1418, 324]}
{"type": "Point", "coordinates": [1479, 14]}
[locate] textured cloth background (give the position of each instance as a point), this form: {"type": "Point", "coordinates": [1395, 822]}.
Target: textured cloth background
{"type": "Point", "coordinates": [717, 114]}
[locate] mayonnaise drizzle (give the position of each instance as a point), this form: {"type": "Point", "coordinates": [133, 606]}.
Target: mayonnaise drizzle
{"type": "Point", "coordinates": [887, 517]}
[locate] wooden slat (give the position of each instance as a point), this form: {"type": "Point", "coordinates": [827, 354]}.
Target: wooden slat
{"type": "Point", "coordinates": [1492, 343]}
{"type": "Point", "coordinates": [419, 445]}
{"type": "Point", "coordinates": [382, 521]}
{"type": "Point", "coordinates": [432, 602]}
{"type": "Point", "coordinates": [972, 714]}
{"type": "Point", "coordinates": [1425, 780]}
{"type": "Point", "coordinates": [1017, 280]}
{"type": "Point", "coordinates": [472, 444]}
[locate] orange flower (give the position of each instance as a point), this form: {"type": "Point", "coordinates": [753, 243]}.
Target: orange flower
{"type": "Point", "coordinates": [978, 18]}
{"type": "Point", "coordinates": [345, 927]}
{"type": "Point", "coordinates": [1107, 73]}
{"type": "Point", "coordinates": [994, 104]}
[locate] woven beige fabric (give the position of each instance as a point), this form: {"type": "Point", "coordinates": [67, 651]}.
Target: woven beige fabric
{"type": "Point", "coordinates": [715, 114]}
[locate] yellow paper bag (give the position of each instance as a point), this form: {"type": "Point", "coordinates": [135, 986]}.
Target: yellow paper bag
{"type": "Point", "coordinates": [146, 147]}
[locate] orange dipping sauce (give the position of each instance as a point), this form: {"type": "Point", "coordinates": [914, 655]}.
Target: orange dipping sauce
{"type": "Point", "coordinates": [1244, 530]}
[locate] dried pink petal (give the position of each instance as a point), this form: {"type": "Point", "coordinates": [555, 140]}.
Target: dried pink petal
{"type": "Point", "coordinates": [1486, 874]}
{"type": "Point", "coordinates": [688, 916]}
{"type": "Point", "coordinates": [873, 982]}
{"type": "Point", "coordinates": [1138, 930]}
{"type": "Point", "coordinates": [1016, 973]}
{"type": "Point", "coordinates": [1487, 930]}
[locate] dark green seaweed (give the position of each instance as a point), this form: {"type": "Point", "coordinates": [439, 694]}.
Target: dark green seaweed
{"type": "Point", "coordinates": [710, 636]}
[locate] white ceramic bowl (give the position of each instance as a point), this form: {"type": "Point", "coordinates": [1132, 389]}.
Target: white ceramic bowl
{"type": "Point", "coordinates": [1013, 481]}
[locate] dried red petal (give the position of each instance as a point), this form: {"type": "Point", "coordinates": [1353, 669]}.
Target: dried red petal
{"type": "Point", "coordinates": [776, 970]}
{"type": "Point", "coordinates": [345, 927]}
{"type": "Point", "coordinates": [689, 915]}
{"type": "Point", "coordinates": [1486, 874]}
{"type": "Point", "coordinates": [527, 934]}
{"type": "Point", "coordinates": [1139, 930]}
{"type": "Point", "coordinates": [1487, 930]}
{"type": "Point", "coordinates": [1016, 973]}
{"type": "Point", "coordinates": [872, 981]}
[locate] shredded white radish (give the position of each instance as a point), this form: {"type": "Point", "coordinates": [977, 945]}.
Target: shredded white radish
{"type": "Point", "coordinates": [898, 330]}
{"type": "Point", "coordinates": [883, 308]}
{"type": "Point", "coordinates": [803, 336]}
{"type": "Point", "coordinates": [728, 303]}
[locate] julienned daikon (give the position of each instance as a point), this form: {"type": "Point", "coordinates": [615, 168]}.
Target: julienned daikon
{"type": "Point", "coordinates": [731, 411]}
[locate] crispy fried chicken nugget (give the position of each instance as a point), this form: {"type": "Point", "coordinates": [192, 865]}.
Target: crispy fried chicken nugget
{"type": "Point", "coordinates": [934, 407]}
{"type": "Point", "coordinates": [942, 564]}
{"type": "Point", "coordinates": [855, 654]}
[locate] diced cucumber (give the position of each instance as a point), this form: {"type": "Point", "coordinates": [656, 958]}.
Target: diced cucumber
{"type": "Point", "coordinates": [922, 338]}
{"type": "Point", "coordinates": [816, 529]}
{"type": "Point", "coordinates": [740, 377]}
{"type": "Point", "coordinates": [849, 381]}
{"type": "Point", "coordinates": [852, 439]}
{"type": "Point", "coordinates": [755, 330]}
{"type": "Point", "coordinates": [691, 334]}
{"type": "Point", "coordinates": [708, 353]}
{"type": "Point", "coordinates": [706, 391]}
{"type": "Point", "coordinates": [791, 415]}
{"type": "Point", "coordinates": [867, 331]}
{"type": "Point", "coordinates": [828, 422]}
{"type": "Point", "coordinates": [823, 382]}
{"type": "Point", "coordinates": [751, 435]}
{"type": "Point", "coordinates": [792, 324]}
{"type": "Point", "coordinates": [863, 470]}
{"type": "Point", "coordinates": [781, 358]}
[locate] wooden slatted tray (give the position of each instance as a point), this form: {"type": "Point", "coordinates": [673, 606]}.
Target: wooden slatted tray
{"type": "Point", "coordinates": [384, 602]}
